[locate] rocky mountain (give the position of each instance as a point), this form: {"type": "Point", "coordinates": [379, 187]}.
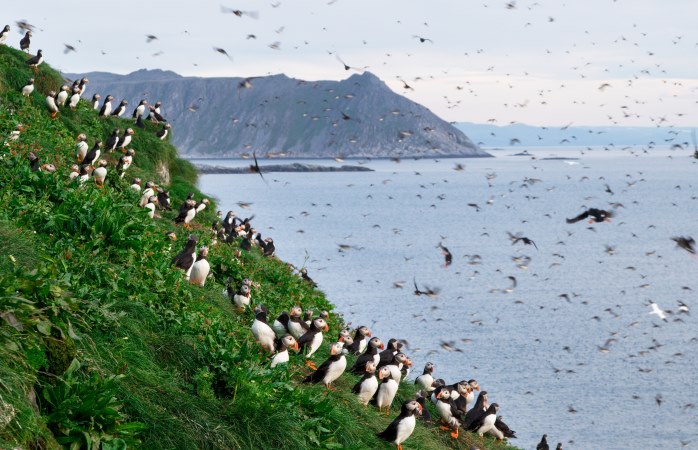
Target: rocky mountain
{"type": "Point", "coordinates": [285, 117]}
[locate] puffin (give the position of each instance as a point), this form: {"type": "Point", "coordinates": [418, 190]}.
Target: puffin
{"type": "Point", "coordinates": [421, 399]}
{"type": "Point", "coordinates": [186, 213]}
{"type": "Point", "coordinates": [100, 173]}
{"type": "Point", "coordinates": [306, 278]}
{"type": "Point", "coordinates": [136, 185]}
{"type": "Point", "coordinates": [106, 107]}
{"type": "Point", "coordinates": [51, 103]}
{"type": "Point", "coordinates": [25, 42]}
{"type": "Point", "coordinates": [331, 369]}
{"type": "Point", "coordinates": [367, 386]}
{"type": "Point", "coordinates": [82, 85]}
{"type": "Point", "coordinates": [485, 424]}
{"type": "Point", "coordinates": [185, 259]}
{"type": "Point", "coordinates": [84, 174]}
{"type": "Point", "coordinates": [125, 162]}
{"type": "Point", "coordinates": [75, 98]}
{"type": "Point", "coordinates": [93, 154]}
{"type": "Point", "coordinates": [125, 139]}
{"type": "Point", "coordinates": [281, 324]}
{"type": "Point", "coordinates": [154, 114]}
{"type": "Point", "coordinates": [201, 267]}
{"type": "Point", "coordinates": [391, 350]}
{"type": "Point", "coordinates": [4, 33]}
{"type": "Point", "coordinates": [442, 400]}
{"type": "Point", "coordinates": [164, 200]}
{"type": "Point", "coordinates": [34, 164]}
{"type": "Point", "coordinates": [110, 146]}
{"type": "Point", "coordinates": [396, 365]}
{"type": "Point", "coordinates": [146, 193]}
{"type": "Point", "coordinates": [74, 172]}
{"type": "Point", "coordinates": [140, 109]}
{"type": "Point", "coordinates": [476, 412]}
{"type": "Point", "coordinates": [596, 215]}
{"type": "Point", "coordinates": [119, 111]}
{"type": "Point", "coordinates": [14, 134]}
{"type": "Point", "coordinates": [240, 299]}
{"type": "Point", "coordinates": [296, 325]}
{"type": "Point", "coordinates": [261, 330]}
{"type": "Point", "coordinates": [282, 345]}
{"type": "Point", "coordinates": [62, 96]}
{"type": "Point", "coordinates": [426, 379]}
{"type": "Point", "coordinates": [504, 428]}
{"type": "Point", "coordinates": [95, 101]}
{"type": "Point", "coordinates": [229, 222]}
{"type": "Point", "coordinates": [361, 334]}
{"type": "Point", "coordinates": [386, 391]}
{"type": "Point", "coordinates": [35, 61]}
{"type": "Point", "coordinates": [162, 133]}
{"type": "Point", "coordinates": [371, 354]}
{"type": "Point", "coordinates": [267, 246]}
{"type": "Point", "coordinates": [150, 206]}
{"type": "Point", "coordinates": [401, 428]}
{"type": "Point", "coordinates": [202, 205]}
{"type": "Point", "coordinates": [312, 339]}
{"type": "Point", "coordinates": [28, 88]}
{"type": "Point", "coordinates": [543, 444]}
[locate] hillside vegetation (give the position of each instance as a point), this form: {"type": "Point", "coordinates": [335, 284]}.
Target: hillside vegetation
{"type": "Point", "coordinates": [104, 345]}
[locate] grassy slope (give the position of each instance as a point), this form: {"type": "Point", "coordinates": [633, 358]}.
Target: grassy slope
{"type": "Point", "coordinates": [86, 275]}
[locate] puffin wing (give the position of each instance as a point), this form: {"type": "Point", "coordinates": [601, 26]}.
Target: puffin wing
{"type": "Point", "coordinates": [390, 433]}
{"type": "Point", "coordinates": [582, 216]}
{"type": "Point", "coordinates": [319, 374]}
{"type": "Point", "coordinates": [306, 339]}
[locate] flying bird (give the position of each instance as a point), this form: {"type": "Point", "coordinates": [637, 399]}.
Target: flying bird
{"type": "Point", "coordinates": [596, 215]}
{"type": "Point", "coordinates": [223, 52]}
{"type": "Point", "coordinates": [685, 242]}
{"type": "Point", "coordinates": [448, 258]}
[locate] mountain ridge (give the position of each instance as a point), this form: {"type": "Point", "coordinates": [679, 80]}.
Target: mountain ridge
{"type": "Point", "coordinates": [287, 117]}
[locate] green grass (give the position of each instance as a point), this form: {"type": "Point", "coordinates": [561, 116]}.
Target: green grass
{"type": "Point", "coordinates": [104, 345]}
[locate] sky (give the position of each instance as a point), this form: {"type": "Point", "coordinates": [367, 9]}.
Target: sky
{"type": "Point", "coordinates": [545, 63]}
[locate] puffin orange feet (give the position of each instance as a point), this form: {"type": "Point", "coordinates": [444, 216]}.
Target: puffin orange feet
{"type": "Point", "coordinates": [454, 434]}
{"type": "Point", "coordinates": [311, 364]}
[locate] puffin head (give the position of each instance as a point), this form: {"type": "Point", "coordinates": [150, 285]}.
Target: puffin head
{"type": "Point", "coordinates": [296, 311]}
{"type": "Point", "coordinates": [473, 384]}
{"type": "Point", "coordinates": [383, 372]}
{"type": "Point", "coordinates": [320, 324]}
{"type": "Point", "coordinates": [375, 342]}
{"type": "Point", "coordinates": [429, 367]}
{"type": "Point", "coordinates": [371, 367]}
{"type": "Point", "coordinates": [290, 342]}
{"type": "Point", "coordinates": [364, 331]}
{"type": "Point", "coordinates": [336, 348]}
{"type": "Point", "coordinates": [412, 407]}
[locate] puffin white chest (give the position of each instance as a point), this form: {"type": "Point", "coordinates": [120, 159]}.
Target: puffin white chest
{"type": "Point", "coordinates": [368, 388]}
{"type": "Point", "coordinates": [190, 215]}
{"type": "Point", "coordinates": [395, 373]}
{"type": "Point", "coordinates": [151, 209]}
{"type": "Point", "coordinates": [405, 429]}
{"type": "Point", "coordinates": [199, 272]}
{"type": "Point", "coordinates": [335, 370]}
{"type": "Point", "coordinates": [444, 409]}
{"type": "Point", "coordinates": [487, 424]}
{"type": "Point", "coordinates": [100, 174]}
{"type": "Point", "coordinates": [386, 393]}
{"type": "Point", "coordinates": [74, 100]}
{"type": "Point", "coordinates": [315, 344]}
{"type": "Point", "coordinates": [295, 329]}
{"type": "Point", "coordinates": [264, 334]}
{"type": "Point", "coordinates": [426, 381]}
{"type": "Point", "coordinates": [241, 300]}
{"type": "Point", "coordinates": [280, 358]}
{"type": "Point", "coordinates": [187, 274]}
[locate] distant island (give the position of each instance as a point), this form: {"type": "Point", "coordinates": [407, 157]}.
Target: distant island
{"type": "Point", "coordinates": [286, 117]}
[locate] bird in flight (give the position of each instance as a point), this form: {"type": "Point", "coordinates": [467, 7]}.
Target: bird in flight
{"type": "Point", "coordinates": [448, 258]}
{"type": "Point", "coordinates": [685, 242]}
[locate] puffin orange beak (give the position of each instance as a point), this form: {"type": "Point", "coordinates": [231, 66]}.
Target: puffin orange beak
{"type": "Point", "coordinates": [420, 408]}
{"type": "Point", "coordinates": [341, 338]}
{"type": "Point", "coordinates": [327, 328]}
{"type": "Point", "coordinates": [295, 346]}
{"type": "Point", "coordinates": [369, 334]}
{"type": "Point", "coordinates": [478, 388]}
{"type": "Point", "coordinates": [439, 394]}
{"type": "Point", "coordinates": [382, 347]}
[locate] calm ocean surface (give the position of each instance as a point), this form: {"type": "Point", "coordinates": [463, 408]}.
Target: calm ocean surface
{"type": "Point", "coordinates": [593, 370]}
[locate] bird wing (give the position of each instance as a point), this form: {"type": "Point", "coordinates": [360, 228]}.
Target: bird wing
{"type": "Point", "coordinates": [582, 216]}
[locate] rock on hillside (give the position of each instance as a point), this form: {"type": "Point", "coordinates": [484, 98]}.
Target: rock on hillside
{"type": "Point", "coordinates": [281, 116]}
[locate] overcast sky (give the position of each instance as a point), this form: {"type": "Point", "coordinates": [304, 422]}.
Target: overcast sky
{"type": "Point", "coordinates": [535, 62]}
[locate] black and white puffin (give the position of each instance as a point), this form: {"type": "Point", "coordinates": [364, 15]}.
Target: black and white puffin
{"type": "Point", "coordinates": [396, 366]}
{"type": "Point", "coordinates": [361, 336]}
{"type": "Point", "coordinates": [34, 164]}
{"type": "Point", "coordinates": [306, 278]}
{"type": "Point", "coordinates": [426, 380]}
{"type": "Point", "coordinates": [267, 246]}
{"type": "Point", "coordinates": [26, 41]}
{"type": "Point", "coordinates": [371, 354]}
{"type": "Point", "coordinates": [51, 103]}
{"type": "Point", "coordinates": [106, 107]}
{"type": "Point", "coordinates": [121, 109]}
{"type": "Point", "coordinates": [442, 400]}
{"type": "Point", "coordinates": [282, 345]}
{"type": "Point", "coordinates": [140, 109]}
{"type": "Point", "coordinates": [151, 205]}
{"type": "Point", "coordinates": [82, 85]}
{"type": "Point", "coordinates": [95, 101]}
{"type": "Point", "coordinates": [147, 192]}
{"type": "Point", "coordinates": [154, 114]}
{"type": "Point", "coordinates": [185, 259]}
{"type": "Point", "coordinates": [402, 427]}
{"type": "Point", "coordinates": [4, 34]}
{"type": "Point", "coordinates": [75, 98]}
{"type": "Point", "coordinates": [186, 213]}
{"type": "Point", "coordinates": [84, 174]}
{"type": "Point", "coordinates": [485, 423]}
{"type": "Point", "coordinates": [240, 298]}
{"type": "Point", "coordinates": [367, 386]}
{"type": "Point", "coordinates": [595, 215]}
{"type": "Point", "coordinates": [476, 412]}
{"type": "Point", "coordinates": [230, 222]}
{"type": "Point", "coordinates": [261, 330]}
{"type": "Point", "coordinates": [136, 185]}
{"type": "Point", "coordinates": [93, 154]}
{"type": "Point", "coordinates": [125, 139]}
{"type": "Point", "coordinates": [331, 369]}
{"type": "Point", "coordinates": [201, 267]}
{"type": "Point", "coordinates": [36, 61]}
{"type": "Point", "coordinates": [110, 145]}
{"type": "Point", "coordinates": [74, 172]}
{"type": "Point", "coordinates": [386, 390]}
{"type": "Point", "coordinates": [164, 200]}
{"type": "Point", "coordinates": [162, 133]}
{"type": "Point", "coordinates": [125, 162]}
{"type": "Point", "coordinates": [543, 444]}
{"type": "Point", "coordinates": [62, 96]}
{"type": "Point", "coordinates": [504, 428]}
{"type": "Point", "coordinates": [28, 88]}
{"type": "Point", "coordinates": [392, 349]}
{"type": "Point", "coordinates": [281, 324]}
{"type": "Point", "coordinates": [202, 205]}
{"type": "Point", "coordinates": [100, 173]}
{"type": "Point", "coordinates": [421, 399]}
{"type": "Point", "coordinates": [312, 339]}
{"type": "Point", "coordinates": [459, 397]}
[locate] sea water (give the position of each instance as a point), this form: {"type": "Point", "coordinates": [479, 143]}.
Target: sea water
{"type": "Point", "coordinates": [571, 350]}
